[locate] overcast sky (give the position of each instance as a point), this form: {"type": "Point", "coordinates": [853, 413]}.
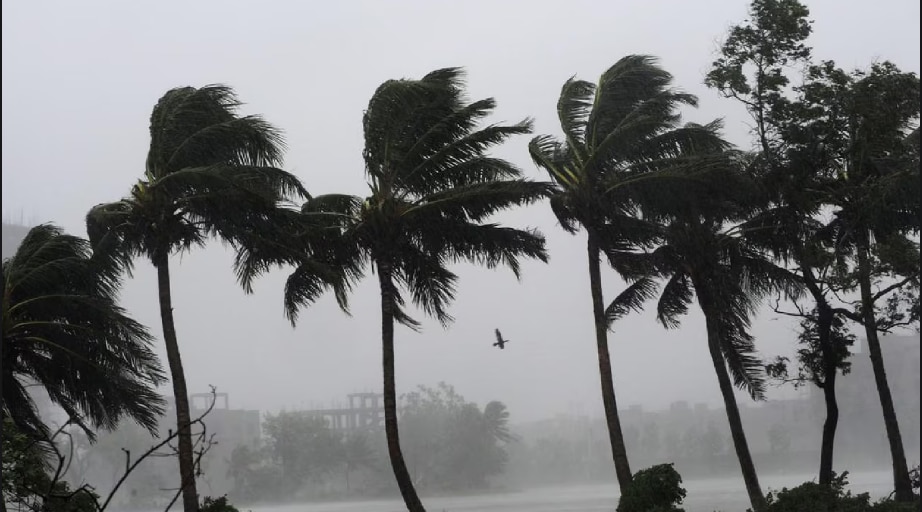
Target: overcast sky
{"type": "Point", "coordinates": [80, 80]}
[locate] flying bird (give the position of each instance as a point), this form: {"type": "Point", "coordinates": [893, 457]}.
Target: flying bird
{"type": "Point", "coordinates": [500, 342]}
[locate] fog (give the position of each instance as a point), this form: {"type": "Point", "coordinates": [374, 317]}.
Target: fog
{"type": "Point", "coordinates": [80, 79]}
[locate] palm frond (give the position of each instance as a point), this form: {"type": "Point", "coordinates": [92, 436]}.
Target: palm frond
{"type": "Point", "coordinates": [437, 168]}
{"type": "Point", "coordinates": [197, 127]}
{"type": "Point", "coordinates": [674, 301]}
{"type": "Point", "coordinates": [552, 156]}
{"type": "Point", "coordinates": [476, 202]}
{"type": "Point", "coordinates": [738, 349]}
{"type": "Point", "coordinates": [490, 245]}
{"type": "Point", "coordinates": [431, 285]}
{"type": "Point", "coordinates": [629, 83]}
{"type": "Point", "coordinates": [573, 110]}
{"type": "Point", "coordinates": [64, 330]}
{"type": "Point", "coordinates": [631, 299]}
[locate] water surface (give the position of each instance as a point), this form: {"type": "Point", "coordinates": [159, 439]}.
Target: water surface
{"type": "Point", "coordinates": [719, 494]}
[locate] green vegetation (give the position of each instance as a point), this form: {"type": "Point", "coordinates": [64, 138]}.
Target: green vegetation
{"type": "Point", "coordinates": [64, 331]}
{"type": "Point", "coordinates": [655, 489]}
{"type": "Point", "coordinates": [822, 216]}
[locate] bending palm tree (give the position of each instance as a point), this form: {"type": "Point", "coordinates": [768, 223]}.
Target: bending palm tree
{"type": "Point", "coordinates": [209, 173]}
{"type": "Point", "coordinates": [432, 188]}
{"type": "Point", "coordinates": [64, 331]}
{"type": "Point", "coordinates": [622, 144]}
{"type": "Point", "coordinates": [728, 277]}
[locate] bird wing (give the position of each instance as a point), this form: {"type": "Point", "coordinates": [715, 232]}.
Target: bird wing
{"type": "Point", "coordinates": [499, 337]}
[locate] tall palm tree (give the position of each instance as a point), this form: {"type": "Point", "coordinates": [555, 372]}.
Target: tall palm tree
{"type": "Point", "coordinates": [432, 189]}
{"type": "Point", "coordinates": [63, 330]}
{"type": "Point", "coordinates": [705, 256]}
{"type": "Point", "coordinates": [618, 136]}
{"type": "Point", "coordinates": [209, 172]}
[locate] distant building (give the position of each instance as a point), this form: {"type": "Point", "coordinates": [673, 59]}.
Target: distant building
{"type": "Point", "coordinates": [231, 428]}
{"type": "Point", "coordinates": [365, 411]}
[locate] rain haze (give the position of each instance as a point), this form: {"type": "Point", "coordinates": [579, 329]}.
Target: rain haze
{"type": "Point", "coordinates": [80, 79]}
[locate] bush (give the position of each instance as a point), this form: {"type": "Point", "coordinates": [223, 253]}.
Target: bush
{"type": "Point", "coordinates": [210, 504]}
{"type": "Point", "coordinates": [812, 497]}
{"type": "Point", "coordinates": [655, 489]}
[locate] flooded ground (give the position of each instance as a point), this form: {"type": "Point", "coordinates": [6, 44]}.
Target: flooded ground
{"type": "Point", "coordinates": [724, 495]}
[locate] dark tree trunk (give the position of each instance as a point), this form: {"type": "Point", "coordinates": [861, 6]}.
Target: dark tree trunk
{"type": "Point", "coordinates": [404, 482]}
{"type": "Point", "coordinates": [751, 479]}
{"type": "Point", "coordinates": [830, 370]}
{"type": "Point", "coordinates": [901, 482]}
{"type": "Point", "coordinates": [615, 436]}
{"type": "Point", "coordinates": [180, 395]}
{"type": "Point", "coordinates": [2, 414]}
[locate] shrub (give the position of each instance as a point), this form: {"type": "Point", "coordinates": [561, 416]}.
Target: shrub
{"type": "Point", "coordinates": [812, 497]}
{"type": "Point", "coordinates": [210, 504]}
{"type": "Point", "coordinates": [655, 489]}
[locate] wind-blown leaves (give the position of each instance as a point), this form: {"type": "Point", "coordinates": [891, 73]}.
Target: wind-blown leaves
{"type": "Point", "coordinates": [64, 330]}
{"type": "Point", "coordinates": [210, 173]}
{"type": "Point", "coordinates": [631, 299]}
{"type": "Point", "coordinates": [433, 189]}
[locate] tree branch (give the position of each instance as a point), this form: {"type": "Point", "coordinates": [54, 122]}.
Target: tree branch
{"type": "Point", "coordinates": [893, 286]}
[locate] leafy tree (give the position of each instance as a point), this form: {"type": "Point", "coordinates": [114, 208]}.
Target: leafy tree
{"type": "Point", "coordinates": [432, 190]}
{"type": "Point", "coordinates": [877, 203]}
{"type": "Point", "coordinates": [825, 345]}
{"type": "Point", "coordinates": [356, 452]}
{"type": "Point", "coordinates": [839, 142]}
{"type": "Point", "coordinates": [24, 465]}
{"type": "Point", "coordinates": [451, 443]}
{"type": "Point", "coordinates": [63, 330]}
{"type": "Point", "coordinates": [209, 172]}
{"type": "Point", "coordinates": [655, 489]}
{"type": "Point", "coordinates": [302, 445]}
{"type": "Point", "coordinates": [622, 147]}
{"type": "Point", "coordinates": [240, 466]}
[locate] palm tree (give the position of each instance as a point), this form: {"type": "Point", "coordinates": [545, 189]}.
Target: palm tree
{"type": "Point", "coordinates": [618, 136]}
{"type": "Point", "coordinates": [209, 172]}
{"type": "Point", "coordinates": [63, 330]}
{"type": "Point", "coordinates": [704, 260]}
{"type": "Point", "coordinates": [496, 421]}
{"type": "Point", "coordinates": [431, 190]}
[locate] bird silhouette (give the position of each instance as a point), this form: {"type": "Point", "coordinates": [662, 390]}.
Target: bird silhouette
{"type": "Point", "coordinates": [500, 342]}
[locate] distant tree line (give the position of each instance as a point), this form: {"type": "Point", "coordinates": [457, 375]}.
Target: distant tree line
{"type": "Point", "coordinates": [451, 445]}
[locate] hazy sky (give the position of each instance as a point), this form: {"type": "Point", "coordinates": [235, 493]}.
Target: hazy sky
{"type": "Point", "coordinates": [80, 80]}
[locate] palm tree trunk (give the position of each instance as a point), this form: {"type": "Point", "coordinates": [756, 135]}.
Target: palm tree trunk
{"type": "Point", "coordinates": [901, 482]}
{"type": "Point", "coordinates": [751, 479]}
{"type": "Point", "coordinates": [615, 436]}
{"type": "Point", "coordinates": [830, 372]}
{"type": "Point", "coordinates": [180, 395]}
{"type": "Point", "coordinates": [399, 466]}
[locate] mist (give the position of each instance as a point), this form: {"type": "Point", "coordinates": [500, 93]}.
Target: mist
{"type": "Point", "coordinates": [80, 79]}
